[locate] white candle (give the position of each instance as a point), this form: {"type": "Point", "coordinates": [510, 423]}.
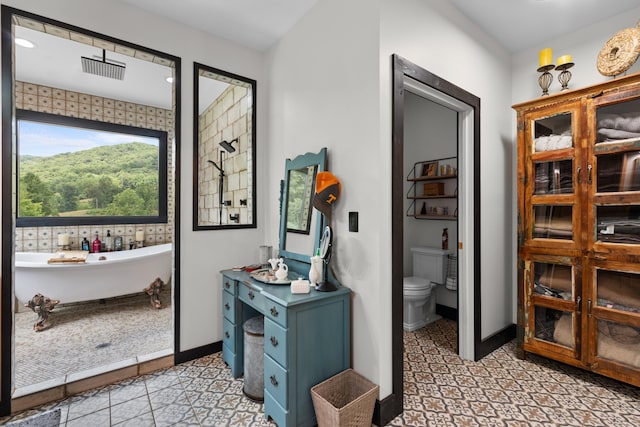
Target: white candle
{"type": "Point", "coordinates": [139, 236]}
{"type": "Point", "coordinates": [63, 239]}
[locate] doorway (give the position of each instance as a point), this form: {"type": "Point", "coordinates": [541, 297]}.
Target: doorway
{"type": "Point", "coordinates": [52, 101]}
{"type": "Point", "coordinates": [410, 77]}
{"type": "Point", "coordinates": [431, 206]}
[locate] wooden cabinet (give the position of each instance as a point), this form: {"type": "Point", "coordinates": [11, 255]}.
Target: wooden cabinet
{"type": "Point", "coordinates": [434, 189]}
{"type": "Point", "coordinates": [306, 340]}
{"type": "Point", "coordinates": [579, 228]}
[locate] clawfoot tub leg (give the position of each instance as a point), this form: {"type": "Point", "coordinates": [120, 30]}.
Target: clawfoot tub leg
{"type": "Point", "coordinates": [42, 306]}
{"type": "Point", "coordinates": [153, 290]}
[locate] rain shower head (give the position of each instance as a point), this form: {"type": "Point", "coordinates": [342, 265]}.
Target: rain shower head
{"type": "Point", "coordinates": [227, 145]}
{"type": "Point", "coordinates": [103, 68]}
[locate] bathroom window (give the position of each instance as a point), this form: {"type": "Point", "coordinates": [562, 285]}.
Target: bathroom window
{"type": "Point", "coordinates": [76, 171]}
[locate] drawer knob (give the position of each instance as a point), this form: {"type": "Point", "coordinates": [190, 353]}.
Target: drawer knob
{"type": "Point", "coordinates": [226, 305]}
{"type": "Point", "coordinates": [226, 334]}
{"type": "Point", "coordinates": [251, 295]}
{"type": "Point", "coordinates": [274, 381]}
{"type": "Point", "coordinates": [274, 341]}
{"type": "Point", "coordinates": [227, 285]}
{"type": "Point", "coordinates": [274, 312]}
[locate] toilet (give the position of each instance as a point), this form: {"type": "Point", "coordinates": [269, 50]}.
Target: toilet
{"type": "Point", "coordinates": [429, 270]}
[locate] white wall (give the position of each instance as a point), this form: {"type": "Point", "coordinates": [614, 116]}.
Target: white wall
{"type": "Point", "coordinates": [584, 46]}
{"type": "Point", "coordinates": [203, 253]}
{"type": "Point", "coordinates": [323, 93]}
{"type": "Point", "coordinates": [435, 36]}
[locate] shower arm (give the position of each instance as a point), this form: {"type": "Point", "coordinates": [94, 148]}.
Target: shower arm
{"type": "Point", "coordinates": [220, 186]}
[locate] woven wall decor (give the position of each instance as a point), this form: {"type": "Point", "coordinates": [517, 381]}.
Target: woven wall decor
{"type": "Point", "coordinates": [620, 52]}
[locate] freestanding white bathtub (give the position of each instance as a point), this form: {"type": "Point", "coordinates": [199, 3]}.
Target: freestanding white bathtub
{"type": "Point", "coordinates": [121, 273]}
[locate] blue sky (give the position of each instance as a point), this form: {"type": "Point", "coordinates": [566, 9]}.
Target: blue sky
{"type": "Point", "coordinates": [42, 139]}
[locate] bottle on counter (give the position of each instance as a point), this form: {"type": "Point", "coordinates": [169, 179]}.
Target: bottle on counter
{"type": "Point", "coordinates": [445, 239]}
{"type": "Point", "coordinates": [85, 244]}
{"type": "Point", "coordinates": [108, 246]}
{"type": "Point", "coordinates": [96, 244]}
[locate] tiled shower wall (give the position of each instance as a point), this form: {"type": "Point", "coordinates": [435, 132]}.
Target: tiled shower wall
{"type": "Point", "coordinates": [46, 99]}
{"type": "Point", "coordinates": [227, 118]}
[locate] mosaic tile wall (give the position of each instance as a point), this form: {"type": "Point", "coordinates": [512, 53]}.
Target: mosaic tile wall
{"type": "Point", "coordinates": [227, 118]}
{"type": "Point", "coordinates": [46, 99]}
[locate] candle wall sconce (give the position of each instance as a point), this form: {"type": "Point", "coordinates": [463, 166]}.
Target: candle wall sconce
{"type": "Point", "coordinates": [234, 217]}
{"type": "Point", "coordinates": [546, 65]}
{"type": "Point", "coordinates": [545, 78]}
{"type": "Point", "coordinates": [564, 63]}
{"type": "Point", "coordinates": [243, 202]}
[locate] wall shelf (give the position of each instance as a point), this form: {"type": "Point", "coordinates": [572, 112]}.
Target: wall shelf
{"type": "Point", "coordinates": [439, 186]}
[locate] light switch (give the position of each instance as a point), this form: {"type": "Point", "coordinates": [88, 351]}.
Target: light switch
{"type": "Point", "coordinates": [353, 221]}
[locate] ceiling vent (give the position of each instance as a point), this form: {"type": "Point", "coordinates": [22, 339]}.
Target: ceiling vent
{"type": "Point", "coordinates": [100, 67]}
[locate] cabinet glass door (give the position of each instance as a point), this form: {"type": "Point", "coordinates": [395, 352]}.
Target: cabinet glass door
{"type": "Point", "coordinates": [552, 133]}
{"type": "Point", "coordinates": [616, 318]}
{"type": "Point", "coordinates": [552, 222]}
{"type": "Point", "coordinates": [553, 307]}
{"type": "Point", "coordinates": [615, 194]}
{"type": "Point", "coordinates": [552, 160]}
{"type": "Point", "coordinates": [553, 177]}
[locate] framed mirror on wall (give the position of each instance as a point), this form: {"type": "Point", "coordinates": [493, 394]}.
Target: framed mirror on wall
{"type": "Point", "coordinates": [300, 224]}
{"type": "Point", "coordinates": [224, 169]}
{"type": "Point", "coordinates": [300, 192]}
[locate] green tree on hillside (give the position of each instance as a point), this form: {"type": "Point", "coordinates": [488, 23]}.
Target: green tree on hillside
{"type": "Point", "coordinates": [127, 203]}
{"type": "Point", "coordinates": [27, 206]}
{"type": "Point", "coordinates": [89, 181]}
{"type": "Point", "coordinates": [69, 195]}
{"type": "Point", "coordinates": [39, 193]}
{"type": "Point", "coordinates": [102, 191]}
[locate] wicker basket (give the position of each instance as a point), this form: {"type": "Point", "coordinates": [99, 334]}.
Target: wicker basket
{"type": "Point", "coordinates": [346, 400]}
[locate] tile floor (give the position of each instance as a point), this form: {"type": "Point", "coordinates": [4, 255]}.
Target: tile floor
{"type": "Point", "coordinates": [82, 337]}
{"type": "Point", "coordinates": [440, 390]}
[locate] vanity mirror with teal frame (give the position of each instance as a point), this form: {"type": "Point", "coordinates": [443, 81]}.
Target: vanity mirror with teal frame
{"type": "Point", "coordinates": [300, 238]}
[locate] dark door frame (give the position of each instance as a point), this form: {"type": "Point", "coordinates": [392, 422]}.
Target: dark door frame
{"type": "Point", "coordinates": [392, 405]}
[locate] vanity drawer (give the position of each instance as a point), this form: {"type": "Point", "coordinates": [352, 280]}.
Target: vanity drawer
{"type": "Point", "coordinates": [232, 359]}
{"type": "Point", "coordinates": [275, 381]}
{"type": "Point", "coordinates": [251, 296]}
{"type": "Point", "coordinates": [229, 285]}
{"type": "Point", "coordinates": [229, 334]}
{"type": "Point", "coordinates": [275, 341]}
{"type": "Point", "coordinates": [228, 306]}
{"type": "Point", "coordinates": [276, 312]}
{"type": "Point", "coordinates": [275, 411]}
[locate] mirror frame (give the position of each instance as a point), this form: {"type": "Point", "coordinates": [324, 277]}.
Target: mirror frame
{"type": "Point", "coordinates": [197, 160]}
{"type": "Point", "coordinates": [302, 161]}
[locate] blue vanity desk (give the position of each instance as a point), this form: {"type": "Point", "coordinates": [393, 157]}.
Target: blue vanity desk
{"type": "Point", "coordinates": [306, 340]}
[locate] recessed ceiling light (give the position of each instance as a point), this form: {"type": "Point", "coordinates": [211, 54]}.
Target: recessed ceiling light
{"type": "Point", "coordinates": [24, 43]}
{"type": "Point", "coordinates": [169, 79]}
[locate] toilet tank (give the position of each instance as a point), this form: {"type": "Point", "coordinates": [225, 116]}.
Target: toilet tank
{"type": "Point", "coordinates": [430, 263]}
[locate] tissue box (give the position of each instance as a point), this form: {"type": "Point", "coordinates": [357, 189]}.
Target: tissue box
{"type": "Point", "coordinates": [300, 287]}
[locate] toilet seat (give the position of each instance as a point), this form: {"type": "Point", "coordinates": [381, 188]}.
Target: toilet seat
{"type": "Point", "coordinates": [414, 283]}
{"type": "Point", "coordinates": [416, 288]}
